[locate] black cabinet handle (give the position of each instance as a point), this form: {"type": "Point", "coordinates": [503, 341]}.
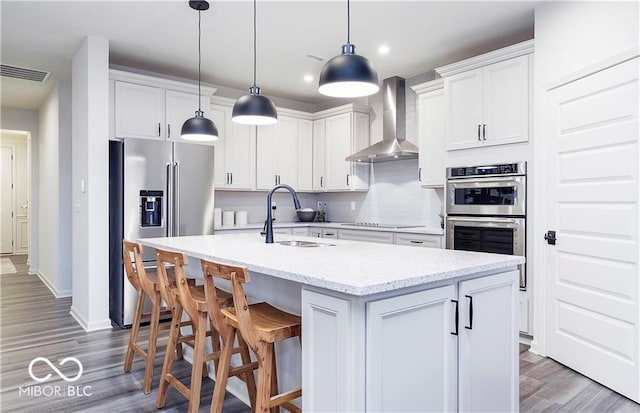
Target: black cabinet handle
{"type": "Point", "coordinates": [416, 242]}
{"type": "Point", "coordinates": [420, 174]}
{"type": "Point", "coordinates": [158, 129]}
{"type": "Point", "coordinates": [347, 179]}
{"type": "Point", "coordinates": [470, 326]}
{"type": "Point", "coordinates": [168, 130]}
{"type": "Point", "coordinates": [321, 182]}
{"type": "Point", "coordinates": [230, 178]}
{"type": "Point", "coordinates": [484, 132]}
{"type": "Point", "coordinates": [479, 133]}
{"type": "Point", "coordinates": [457, 317]}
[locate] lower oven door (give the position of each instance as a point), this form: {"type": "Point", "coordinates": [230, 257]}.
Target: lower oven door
{"type": "Point", "coordinates": [488, 234]}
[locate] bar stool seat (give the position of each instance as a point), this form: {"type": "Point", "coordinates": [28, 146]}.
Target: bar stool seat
{"type": "Point", "coordinates": [261, 325]}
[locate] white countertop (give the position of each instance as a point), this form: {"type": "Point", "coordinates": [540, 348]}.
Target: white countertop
{"type": "Point", "coordinates": [339, 225]}
{"type": "Point", "coordinates": [352, 267]}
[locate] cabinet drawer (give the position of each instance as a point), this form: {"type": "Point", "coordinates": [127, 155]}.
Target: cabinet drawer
{"type": "Point", "coordinates": [300, 231]}
{"type": "Point", "coordinates": [418, 240]}
{"type": "Point", "coordinates": [367, 236]}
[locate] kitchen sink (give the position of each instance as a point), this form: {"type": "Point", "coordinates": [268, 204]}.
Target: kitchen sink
{"type": "Point", "coordinates": [305, 244]}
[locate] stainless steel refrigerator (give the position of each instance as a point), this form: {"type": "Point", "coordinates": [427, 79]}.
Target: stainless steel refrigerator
{"type": "Point", "coordinates": [156, 189]}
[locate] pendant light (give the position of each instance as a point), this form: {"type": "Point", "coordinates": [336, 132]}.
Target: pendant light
{"type": "Point", "coordinates": [348, 75]}
{"type": "Point", "coordinates": [254, 108]}
{"type": "Point", "coordinates": [199, 128]}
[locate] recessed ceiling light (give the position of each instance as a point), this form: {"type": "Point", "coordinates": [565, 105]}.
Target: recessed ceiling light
{"type": "Point", "coordinates": [308, 78]}
{"type": "Point", "coordinates": [384, 49]}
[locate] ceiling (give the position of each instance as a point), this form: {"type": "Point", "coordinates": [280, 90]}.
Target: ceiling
{"type": "Point", "coordinates": [161, 37]}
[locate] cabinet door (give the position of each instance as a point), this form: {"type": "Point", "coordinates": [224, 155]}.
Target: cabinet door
{"type": "Point", "coordinates": [304, 231]}
{"type": "Point", "coordinates": [139, 111]}
{"type": "Point", "coordinates": [338, 147]}
{"type": "Point", "coordinates": [319, 155]}
{"type": "Point", "coordinates": [219, 115]}
{"type": "Point", "coordinates": [265, 157]}
{"type": "Point", "coordinates": [241, 156]}
{"type": "Point", "coordinates": [412, 353]}
{"type": "Point", "coordinates": [286, 151]}
{"type": "Point", "coordinates": [315, 232]}
{"type": "Point", "coordinates": [431, 126]}
{"type": "Point", "coordinates": [506, 101]}
{"type": "Point", "coordinates": [488, 356]}
{"type": "Point", "coordinates": [180, 106]}
{"type": "Point", "coordinates": [463, 102]}
{"type": "Point", "coordinates": [305, 155]}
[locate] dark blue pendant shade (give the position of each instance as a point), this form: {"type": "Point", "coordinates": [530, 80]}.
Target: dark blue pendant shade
{"type": "Point", "coordinates": [199, 128]}
{"type": "Point", "coordinates": [254, 109]}
{"type": "Point", "coordinates": [348, 75]}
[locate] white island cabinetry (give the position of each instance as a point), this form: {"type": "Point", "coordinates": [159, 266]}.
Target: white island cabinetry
{"type": "Point", "coordinates": [378, 332]}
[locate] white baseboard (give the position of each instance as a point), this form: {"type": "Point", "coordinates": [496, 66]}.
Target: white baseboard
{"type": "Point", "coordinates": [56, 293]}
{"type": "Point", "coordinates": [89, 325]}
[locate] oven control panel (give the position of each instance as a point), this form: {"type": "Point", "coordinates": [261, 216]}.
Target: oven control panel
{"type": "Point", "coordinates": [516, 168]}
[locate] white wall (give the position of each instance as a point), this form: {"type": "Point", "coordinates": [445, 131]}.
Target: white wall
{"type": "Point", "coordinates": [90, 218]}
{"type": "Point", "coordinates": [54, 231]}
{"type": "Point", "coordinates": [27, 120]}
{"type": "Point", "coordinates": [569, 36]}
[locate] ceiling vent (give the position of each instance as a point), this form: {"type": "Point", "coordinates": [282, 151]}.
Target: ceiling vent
{"type": "Point", "coordinates": [24, 73]}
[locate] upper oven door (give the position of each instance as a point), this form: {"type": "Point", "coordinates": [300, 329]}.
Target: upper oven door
{"type": "Point", "coordinates": [487, 196]}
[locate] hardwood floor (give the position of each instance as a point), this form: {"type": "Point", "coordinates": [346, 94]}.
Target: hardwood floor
{"type": "Point", "coordinates": [35, 324]}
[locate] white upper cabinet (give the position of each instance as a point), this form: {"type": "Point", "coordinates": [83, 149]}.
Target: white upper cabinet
{"type": "Point", "coordinates": [344, 134]}
{"type": "Point", "coordinates": [431, 127]}
{"type": "Point", "coordinates": [487, 98]}
{"type": "Point", "coordinates": [235, 153]}
{"type": "Point", "coordinates": [318, 154]}
{"type": "Point", "coordinates": [139, 111]}
{"type": "Point", "coordinates": [305, 155]}
{"type": "Point", "coordinates": [277, 154]}
{"type": "Point", "coordinates": [146, 107]}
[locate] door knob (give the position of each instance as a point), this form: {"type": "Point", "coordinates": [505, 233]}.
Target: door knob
{"type": "Point", "coordinates": [550, 236]}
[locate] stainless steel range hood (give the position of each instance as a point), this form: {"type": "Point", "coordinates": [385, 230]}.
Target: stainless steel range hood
{"type": "Point", "coordinates": [394, 145]}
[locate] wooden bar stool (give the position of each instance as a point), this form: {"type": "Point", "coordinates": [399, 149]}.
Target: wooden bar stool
{"type": "Point", "coordinates": [192, 300]}
{"type": "Point", "coordinates": [146, 285]}
{"type": "Point", "coordinates": [228, 333]}
{"type": "Point", "coordinates": [261, 325]}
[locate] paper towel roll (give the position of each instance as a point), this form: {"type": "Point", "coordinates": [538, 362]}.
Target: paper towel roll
{"type": "Point", "coordinates": [217, 217]}
{"type": "Point", "coordinates": [241, 218]}
{"type": "Point", "coordinates": [228, 218]}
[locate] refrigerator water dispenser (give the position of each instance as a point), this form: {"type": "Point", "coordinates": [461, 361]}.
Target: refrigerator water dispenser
{"type": "Point", "coordinates": [151, 208]}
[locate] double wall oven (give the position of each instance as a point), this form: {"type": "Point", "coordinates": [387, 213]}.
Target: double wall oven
{"type": "Point", "coordinates": [486, 210]}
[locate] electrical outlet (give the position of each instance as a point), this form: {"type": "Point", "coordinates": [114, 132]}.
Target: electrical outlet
{"type": "Point", "coordinates": [319, 205]}
{"type": "Point", "coordinates": [353, 206]}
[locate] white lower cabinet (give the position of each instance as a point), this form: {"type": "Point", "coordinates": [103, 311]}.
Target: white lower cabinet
{"type": "Point", "coordinates": [451, 348]}
{"type": "Point", "coordinates": [418, 240]}
{"type": "Point", "coordinates": [411, 353]}
{"type": "Point", "coordinates": [304, 231]}
{"type": "Point", "coordinates": [323, 232]}
{"type": "Point", "coordinates": [367, 236]}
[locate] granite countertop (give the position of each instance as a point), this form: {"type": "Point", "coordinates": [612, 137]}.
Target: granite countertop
{"type": "Point", "coordinates": [352, 267]}
{"type": "Point", "coordinates": [339, 225]}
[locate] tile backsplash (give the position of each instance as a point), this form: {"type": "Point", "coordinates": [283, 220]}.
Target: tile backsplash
{"type": "Point", "coordinates": [394, 197]}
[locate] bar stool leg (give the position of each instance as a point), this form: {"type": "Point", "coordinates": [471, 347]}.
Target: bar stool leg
{"type": "Point", "coordinates": [169, 356]}
{"type": "Point", "coordinates": [265, 369]}
{"type": "Point", "coordinates": [151, 347]}
{"type": "Point", "coordinates": [248, 376]}
{"type": "Point", "coordinates": [135, 328]}
{"type": "Point", "coordinates": [222, 372]}
{"type": "Point", "coordinates": [200, 326]}
{"type": "Point", "coordinates": [274, 376]}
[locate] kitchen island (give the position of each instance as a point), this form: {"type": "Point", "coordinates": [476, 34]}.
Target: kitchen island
{"type": "Point", "coordinates": [385, 327]}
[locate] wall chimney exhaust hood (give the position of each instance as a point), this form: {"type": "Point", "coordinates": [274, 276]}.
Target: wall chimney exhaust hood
{"type": "Point", "coordinates": [394, 145]}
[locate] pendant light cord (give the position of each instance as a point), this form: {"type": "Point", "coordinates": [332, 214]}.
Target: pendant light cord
{"type": "Point", "coordinates": [254, 43]}
{"type": "Point", "coordinates": [199, 59]}
{"type": "Point", "coordinates": [348, 23]}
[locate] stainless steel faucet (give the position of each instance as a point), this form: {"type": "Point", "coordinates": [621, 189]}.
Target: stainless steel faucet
{"type": "Point", "coordinates": [269, 222]}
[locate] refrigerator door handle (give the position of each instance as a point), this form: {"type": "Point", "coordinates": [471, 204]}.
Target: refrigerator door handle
{"type": "Point", "coordinates": [169, 209]}
{"type": "Point", "coordinates": [176, 198]}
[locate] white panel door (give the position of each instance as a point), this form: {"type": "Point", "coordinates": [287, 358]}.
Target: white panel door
{"type": "Point", "coordinates": [592, 270]}
{"type": "Point", "coordinates": [412, 353]}
{"type": "Point", "coordinates": [6, 200]}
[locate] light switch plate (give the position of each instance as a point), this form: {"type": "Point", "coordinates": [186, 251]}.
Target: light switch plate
{"type": "Point", "coordinates": [353, 206]}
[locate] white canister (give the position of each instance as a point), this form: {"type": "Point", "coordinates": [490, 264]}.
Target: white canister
{"type": "Point", "coordinates": [217, 217]}
{"type": "Point", "coordinates": [228, 218]}
{"type": "Point", "coordinates": [241, 218]}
